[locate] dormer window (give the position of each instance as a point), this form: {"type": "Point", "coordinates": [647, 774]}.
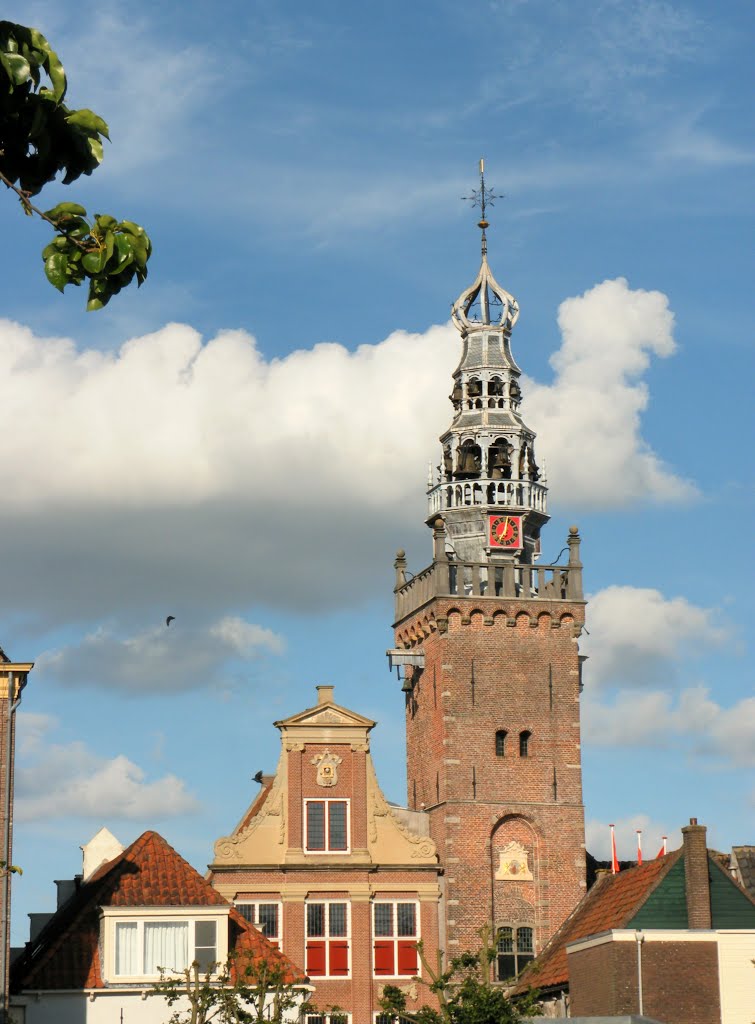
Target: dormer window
{"type": "Point", "coordinates": [139, 943]}
{"type": "Point", "coordinates": [326, 826]}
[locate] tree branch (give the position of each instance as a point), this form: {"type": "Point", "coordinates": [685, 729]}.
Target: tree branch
{"type": "Point", "coordinates": [30, 208]}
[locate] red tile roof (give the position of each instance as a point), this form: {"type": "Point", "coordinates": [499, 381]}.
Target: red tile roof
{"type": "Point", "coordinates": [149, 873]}
{"type": "Point", "coordinates": [610, 903]}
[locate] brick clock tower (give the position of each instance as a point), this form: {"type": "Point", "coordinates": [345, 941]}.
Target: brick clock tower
{"type": "Point", "coordinates": [488, 641]}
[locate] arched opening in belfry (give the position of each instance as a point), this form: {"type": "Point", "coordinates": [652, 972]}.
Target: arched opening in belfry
{"type": "Point", "coordinates": [474, 388]}
{"type": "Point", "coordinates": [469, 460]}
{"type": "Point", "coordinates": [499, 459]}
{"type": "Point", "coordinates": [495, 387]}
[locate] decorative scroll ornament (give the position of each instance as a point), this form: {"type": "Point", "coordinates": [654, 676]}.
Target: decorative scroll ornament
{"type": "Point", "coordinates": [327, 768]}
{"type": "Point", "coordinates": [229, 848]}
{"type": "Point", "coordinates": [423, 847]}
{"type": "Point", "coordinates": [513, 864]}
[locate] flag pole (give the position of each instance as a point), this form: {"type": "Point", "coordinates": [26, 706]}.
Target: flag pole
{"type": "Point", "coordinates": [614, 858]}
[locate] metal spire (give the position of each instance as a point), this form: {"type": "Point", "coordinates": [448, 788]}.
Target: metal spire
{"type": "Point", "coordinates": [483, 197]}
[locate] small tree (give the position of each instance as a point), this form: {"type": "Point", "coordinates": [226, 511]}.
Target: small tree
{"type": "Point", "coordinates": [246, 989]}
{"type": "Point", "coordinates": [40, 137]}
{"type": "Point", "coordinates": [464, 991]}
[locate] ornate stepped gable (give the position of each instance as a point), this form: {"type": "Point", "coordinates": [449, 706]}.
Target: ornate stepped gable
{"type": "Point", "coordinates": [262, 837]}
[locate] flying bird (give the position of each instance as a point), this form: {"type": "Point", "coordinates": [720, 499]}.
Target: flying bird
{"type": "Point", "coordinates": [258, 777]}
{"type": "Point", "coordinates": [169, 620]}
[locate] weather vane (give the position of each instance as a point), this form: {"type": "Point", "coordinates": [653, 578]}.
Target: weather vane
{"type": "Point", "coordinates": [483, 197]}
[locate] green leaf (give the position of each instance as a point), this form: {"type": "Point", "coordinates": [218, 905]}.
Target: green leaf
{"type": "Point", "coordinates": [57, 76]}
{"type": "Point", "coordinates": [17, 68]}
{"type": "Point", "coordinates": [94, 303]}
{"type": "Point", "coordinates": [94, 262]}
{"type": "Point", "coordinates": [96, 149]}
{"type": "Point", "coordinates": [55, 268]}
{"type": "Point", "coordinates": [133, 229]}
{"type": "Point", "coordinates": [89, 120]}
{"type": "Point", "coordinates": [124, 253]}
{"type": "Point", "coordinates": [69, 208]}
{"type": "Point", "coordinates": [104, 220]}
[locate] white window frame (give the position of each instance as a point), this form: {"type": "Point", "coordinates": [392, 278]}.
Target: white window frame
{"type": "Point", "coordinates": [257, 903]}
{"type": "Point", "coordinates": [111, 916]}
{"type": "Point", "coordinates": [327, 938]}
{"type": "Point", "coordinates": [395, 938]}
{"type": "Point", "coordinates": [316, 1018]}
{"type": "Point", "coordinates": [327, 851]}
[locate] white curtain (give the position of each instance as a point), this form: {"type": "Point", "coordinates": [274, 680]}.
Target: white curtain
{"type": "Point", "coordinates": [127, 949]}
{"type": "Point", "coordinates": [166, 944]}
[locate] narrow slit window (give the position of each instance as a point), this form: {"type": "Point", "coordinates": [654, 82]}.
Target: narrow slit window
{"type": "Point", "coordinates": [500, 743]}
{"type": "Point", "coordinates": [524, 743]}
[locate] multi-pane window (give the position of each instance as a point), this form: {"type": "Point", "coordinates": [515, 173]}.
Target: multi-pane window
{"type": "Point", "coordinates": [395, 931]}
{"type": "Point", "coordinates": [326, 826]}
{"type": "Point", "coordinates": [515, 949]}
{"type": "Point", "coordinates": [143, 947]}
{"type": "Point", "coordinates": [265, 917]}
{"type": "Point", "coordinates": [500, 743]}
{"type": "Point", "coordinates": [328, 1018]}
{"type": "Point", "coordinates": [327, 935]}
{"type": "Point", "coordinates": [524, 743]}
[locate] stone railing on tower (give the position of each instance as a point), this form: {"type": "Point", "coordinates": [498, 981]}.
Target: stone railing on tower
{"type": "Point", "coordinates": [447, 577]}
{"type": "Point", "coordinates": [519, 494]}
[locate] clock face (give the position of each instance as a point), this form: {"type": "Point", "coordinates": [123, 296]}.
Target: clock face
{"type": "Point", "coordinates": [505, 532]}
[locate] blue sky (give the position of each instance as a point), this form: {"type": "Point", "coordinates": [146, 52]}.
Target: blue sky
{"type": "Point", "coordinates": [244, 442]}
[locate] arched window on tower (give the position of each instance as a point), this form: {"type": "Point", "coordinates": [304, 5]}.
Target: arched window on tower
{"type": "Point", "coordinates": [500, 743]}
{"type": "Point", "coordinates": [524, 743]}
{"type": "Point", "coordinates": [514, 950]}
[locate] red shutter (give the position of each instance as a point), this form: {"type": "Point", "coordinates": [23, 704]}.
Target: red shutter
{"type": "Point", "coordinates": [407, 958]}
{"type": "Point", "coordinates": [315, 959]}
{"type": "Point", "coordinates": [384, 958]}
{"type": "Point", "coordinates": [339, 957]}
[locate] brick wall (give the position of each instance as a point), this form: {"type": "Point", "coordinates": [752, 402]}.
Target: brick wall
{"type": "Point", "coordinates": [679, 981]}
{"type": "Point", "coordinates": [498, 666]}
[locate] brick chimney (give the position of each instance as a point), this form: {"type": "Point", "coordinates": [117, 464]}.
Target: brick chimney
{"type": "Point", "coordinates": [697, 881]}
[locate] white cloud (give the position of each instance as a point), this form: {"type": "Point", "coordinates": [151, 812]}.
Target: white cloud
{"type": "Point", "coordinates": [588, 421]}
{"type": "Point", "coordinates": [175, 466]}
{"type": "Point", "coordinates": [69, 780]}
{"type": "Point", "coordinates": [691, 722]}
{"type": "Point", "coordinates": [598, 837]}
{"type": "Point", "coordinates": [636, 633]}
{"type": "Point", "coordinates": [159, 660]}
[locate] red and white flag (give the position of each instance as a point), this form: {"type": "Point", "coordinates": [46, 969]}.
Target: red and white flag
{"type": "Point", "coordinates": [662, 851]}
{"type": "Point", "coordinates": [639, 845]}
{"type": "Point", "coordinates": [614, 859]}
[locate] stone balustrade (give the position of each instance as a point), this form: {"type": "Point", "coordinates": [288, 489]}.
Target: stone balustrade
{"type": "Point", "coordinates": [514, 494]}
{"type": "Point", "coordinates": [447, 577]}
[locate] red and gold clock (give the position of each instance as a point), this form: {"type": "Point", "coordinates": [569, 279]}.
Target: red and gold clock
{"type": "Point", "coordinates": [505, 532]}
